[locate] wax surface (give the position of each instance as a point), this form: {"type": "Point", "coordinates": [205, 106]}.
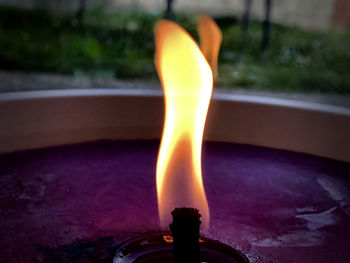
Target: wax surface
{"type": "Point", "coordinates": [276, 206]}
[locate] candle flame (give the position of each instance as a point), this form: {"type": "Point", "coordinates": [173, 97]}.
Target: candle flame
{"type": "Point", "coordinates": [210, 38]}
{"type": "Point", "coordinates": [187, 81]}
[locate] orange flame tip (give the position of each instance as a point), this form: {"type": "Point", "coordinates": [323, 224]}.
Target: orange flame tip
{"type": "Point", "coordinates": [210, 38]}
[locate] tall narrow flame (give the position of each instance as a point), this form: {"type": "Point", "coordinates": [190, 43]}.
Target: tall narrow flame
{"type": "Point", "coordinates": [187, 82]}
{"type": "Point", "coordinates": [210, 37]}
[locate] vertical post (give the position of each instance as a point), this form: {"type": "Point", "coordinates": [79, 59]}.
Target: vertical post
{"type": "Point", "coordinates": [169, 10]}
{"type": "Point", "coordinates": [185, 232]}
{"type": "Point", "coordinates": [266, 26]}
{"type": "Point", "coordinates": [246, 16]}
{"type": "Point", "coordinates": [81, 12]}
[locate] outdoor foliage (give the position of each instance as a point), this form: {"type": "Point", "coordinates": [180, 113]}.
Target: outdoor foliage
{"type": "Point", "coordinates": [121, 45]}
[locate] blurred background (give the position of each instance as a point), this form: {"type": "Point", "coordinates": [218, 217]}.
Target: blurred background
{"type": "Point", "coordinates": [300, 49]}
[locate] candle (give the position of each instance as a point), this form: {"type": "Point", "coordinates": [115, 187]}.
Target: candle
{"type": "Point", "coordinates": [78, 200]}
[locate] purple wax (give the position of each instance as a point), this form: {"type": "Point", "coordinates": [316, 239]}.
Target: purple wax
{"type": "Point", "coordinates": [274, 205]}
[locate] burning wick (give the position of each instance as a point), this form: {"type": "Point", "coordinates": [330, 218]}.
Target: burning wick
{"type": "Point", "coordinates": [187, 80]}
{"type": "Point", "coordinates": [185, 232]}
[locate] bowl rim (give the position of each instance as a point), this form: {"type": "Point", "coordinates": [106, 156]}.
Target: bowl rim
{"type": "Point", "coordinates": [27, 123]}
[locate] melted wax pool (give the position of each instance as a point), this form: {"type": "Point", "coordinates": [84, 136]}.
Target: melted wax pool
{"type": "Point", "coordinates": [76, 203]}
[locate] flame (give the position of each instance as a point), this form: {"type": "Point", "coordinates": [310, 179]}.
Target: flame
{"type": "Point", "coordinates": [187, 82]}
{"type": "Point", "coordinates": [210, 37]}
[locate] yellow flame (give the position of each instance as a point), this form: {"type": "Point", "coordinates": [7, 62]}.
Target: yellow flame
{"type": "Point", "coordinates": [187, 82]}
{"type": "Point", "coordinates": [210, 37]}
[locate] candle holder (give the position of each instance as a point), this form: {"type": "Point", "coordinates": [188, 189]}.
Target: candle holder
{"type": "Point", "coordinates": [158, 247]}
{"type": "Point", "coordinates": [120, 115]}
{"type": "Point", "coordinates": [182, 245]}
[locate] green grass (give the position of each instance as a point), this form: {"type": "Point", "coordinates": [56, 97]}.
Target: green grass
{"type": "Point", "coordinates": [121, 45]}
